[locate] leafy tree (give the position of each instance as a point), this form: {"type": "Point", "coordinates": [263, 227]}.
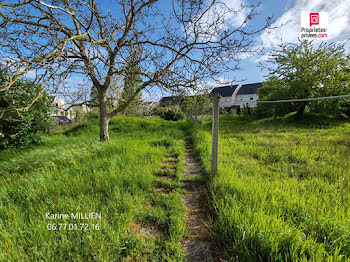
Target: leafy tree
{"type": "Point", "coordinates": [303, 71]}
{"type": "Point", "coordinates": [193, 106]}
{"type": "Point", "coordinates": [275, 89]}
{"type": "Point", "coordinates": [189, 41]}
{"type": "Point", "coordinates": [132, 82]}
{"type": "Point", "coordinates": [22, 127]}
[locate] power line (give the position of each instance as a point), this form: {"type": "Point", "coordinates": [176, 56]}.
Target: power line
{"type": "Point", "coordinates": [304, 99]}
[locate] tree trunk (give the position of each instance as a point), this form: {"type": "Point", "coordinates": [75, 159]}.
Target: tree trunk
{"type": "Point", "coordinates": [104, 120]}
{"type": "Point", "coordinates": [300, 111]}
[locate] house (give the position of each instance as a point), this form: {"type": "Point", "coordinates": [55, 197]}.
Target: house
{"type": "Point", "coordinates": [234, 96]}
{"type": "Point", "coordinates": [226, 95]}
{"type": "Point", "coordinates": [81, 108]}
{"type": "Point", "coordinates": [148, 107]}
{"type": "Point", "coordinates": [247, 95]}
{"type": "Point", "coordinates": [171, 101]}
{"type": "Point", "coordinates": [177, 100]}
{"type": "Point", "coordinates": [59, 108]}
{"type": "Point", "coordinates": [74, 111]}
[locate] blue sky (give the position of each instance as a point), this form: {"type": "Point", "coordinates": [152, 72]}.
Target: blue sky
{"type": "Point", "coordinates": [289, 12]}
{"type": "Point", "coordinates": [283, 11]}
{"type": "Point", "coordinates": [338, 28]}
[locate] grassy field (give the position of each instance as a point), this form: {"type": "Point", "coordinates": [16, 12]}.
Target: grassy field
{"type": "Point", "coordinates": [73, 172]}
{"type": "Point", "coordinates": [282, 192]}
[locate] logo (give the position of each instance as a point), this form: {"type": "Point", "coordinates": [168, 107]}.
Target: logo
{"type": "Point", "coordinates": [313, 25]}
{"type": "Point", "coordinates": [314, 19]}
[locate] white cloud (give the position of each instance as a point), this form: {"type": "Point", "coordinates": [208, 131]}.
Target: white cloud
{"type": "Point", "coordinates": [237, 19]}
{"type": "Point", "coordinates": [73, 81]}
{"type": "Point", "coordinates": [338, 22]}
{"type": "Point", "coordinates": [261, 58]}
{"type": "Point", "coordinates": [220, 81]}
{"type": "Point", "coordinates": [219, 17]}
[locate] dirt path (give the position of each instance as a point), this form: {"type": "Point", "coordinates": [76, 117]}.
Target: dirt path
{"type": "Point", "coordinates": [198, 244]}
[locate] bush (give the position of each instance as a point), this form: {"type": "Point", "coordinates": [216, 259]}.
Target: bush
{"type": "Point", "coordinates": [93, 114]}
{"type": "Point", "coordinates": [172, 113]}
{"type": "Point", "coordinates": [23, 127]}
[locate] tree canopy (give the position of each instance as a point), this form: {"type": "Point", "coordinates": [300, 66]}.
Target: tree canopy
{"type": "Point", "coordinates": [132, 82]}
{"type": "Point", "coordinates": [304, 70]}
{"type": "Point", "coordinates": [189, 42]}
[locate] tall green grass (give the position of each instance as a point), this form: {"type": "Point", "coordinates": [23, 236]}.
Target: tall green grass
{"type": "Point", "coordinates": [73, 172]}
{"type": "Point", "coordinates": [282, 192]}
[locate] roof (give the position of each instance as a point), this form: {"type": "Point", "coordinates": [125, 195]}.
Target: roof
{"type": "Point", "coordinates": [55, 98]}
{"type": "Point", "coordinates": [248, 89]}
{"type": "Point", "coordinates": [224, 90]}
{"type": "Point", "coordinates": [167, 100]}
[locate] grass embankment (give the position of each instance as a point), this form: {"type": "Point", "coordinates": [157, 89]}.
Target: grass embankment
{"type": "Point", "coordinates": [282, 192]}
{"type": "Point", "coordinates": [73, 172]}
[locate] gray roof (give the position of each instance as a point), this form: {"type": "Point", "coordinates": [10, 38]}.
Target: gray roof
{"type": "Point", "coordinates": [249, 89]}
{"type": "Point", "coordinates": [173, 100]}
{"type": "Point", "coordinates": [246, 89]}
{"type": "Point", "coordinates": [224, 90]}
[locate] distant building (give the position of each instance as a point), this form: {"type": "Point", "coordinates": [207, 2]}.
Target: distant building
{"type": "Point", "coordinates": [148, 107]}
{"type": "Point", "coordinates": [177, 100]}
{"type": "Point", "coordinates": [81, 108]}
{"type": "Point", "coordinates": [59, 108]}
{"type": "Point", "coordinates": [75, 110]}
{"type": "Point", "coordinates": [171, 101]}
{"type": "Point", "coordinates": [234, 96]}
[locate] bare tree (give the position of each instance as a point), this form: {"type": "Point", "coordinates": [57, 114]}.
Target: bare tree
{"type": "Point", "coordinates": [177, 47]}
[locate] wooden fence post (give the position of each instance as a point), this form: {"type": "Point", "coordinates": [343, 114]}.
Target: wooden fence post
{"type": "Point", "coordinates": [215, 133]}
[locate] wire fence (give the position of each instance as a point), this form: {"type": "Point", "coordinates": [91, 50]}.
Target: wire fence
{"type": "Point", "coordinates": [304, 99]}
{"type": "Point", "coordinates": [215, 121]}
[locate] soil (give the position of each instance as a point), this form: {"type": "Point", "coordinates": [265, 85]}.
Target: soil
{"type": "Point", "coordinates": [198, 244]}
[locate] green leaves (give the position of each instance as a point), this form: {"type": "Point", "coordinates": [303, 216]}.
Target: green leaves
{"type": "Point", "coordinates": [22, 127]}
{"type": "Point", "coordinates": [304, 71]}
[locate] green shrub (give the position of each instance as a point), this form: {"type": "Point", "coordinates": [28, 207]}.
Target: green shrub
{"type": "Point", "coordinates": [172, 113]}
{"type": "Point", "coordinates": [23, 127]}
{"type": "Point", "coordinates": [93, 114]}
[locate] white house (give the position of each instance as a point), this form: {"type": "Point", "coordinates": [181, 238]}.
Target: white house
{"type": "Point", "coordinates": [59, 108]}
{"type": "Point", "coordinates": [238, 95]}
{"type": "Point", "coordinates": [81, 108]}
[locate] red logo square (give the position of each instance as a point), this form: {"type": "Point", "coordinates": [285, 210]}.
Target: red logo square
{"type": "Point", "coordinates": [314, 19]}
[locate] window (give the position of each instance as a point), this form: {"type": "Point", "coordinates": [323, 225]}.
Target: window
{"type": "Point", "coordinates": [251, 98]}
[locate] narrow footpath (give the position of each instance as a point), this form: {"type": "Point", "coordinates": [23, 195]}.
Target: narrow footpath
{"type": "Point", "coordinates": [198, 243]}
